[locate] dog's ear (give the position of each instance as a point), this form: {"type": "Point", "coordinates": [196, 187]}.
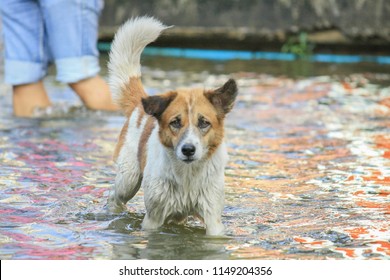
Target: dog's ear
{"type": "Point", "coordinates": [223, 97]}
{"type": "Point", "coordinates": [156, 105]}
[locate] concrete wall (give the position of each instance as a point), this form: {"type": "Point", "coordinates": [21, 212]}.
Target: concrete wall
{"type": "Point", "coordinates": [364, 22]}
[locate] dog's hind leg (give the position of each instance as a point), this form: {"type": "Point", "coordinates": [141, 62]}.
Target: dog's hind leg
{"type": "Point", "coordinates": [129, 175]}
{"type": "Point", "coordinates": [127, 184]}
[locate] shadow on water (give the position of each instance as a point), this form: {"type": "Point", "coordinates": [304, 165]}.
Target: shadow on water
{"type": "Point", "coordinates": [308, 175]}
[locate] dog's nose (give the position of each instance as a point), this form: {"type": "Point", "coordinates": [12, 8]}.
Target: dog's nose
{"type": "Point", "coordinates": [188, 150]}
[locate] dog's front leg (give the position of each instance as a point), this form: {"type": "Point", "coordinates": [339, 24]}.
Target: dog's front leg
{"type": "Point", "coordinates": [211, 212]}
{"type": "Point", "coordinates": [214, 224]}
{"type": "Point", "coordinates": [156, 198]}
{"type": "Point", "coordinates": [151, 222]}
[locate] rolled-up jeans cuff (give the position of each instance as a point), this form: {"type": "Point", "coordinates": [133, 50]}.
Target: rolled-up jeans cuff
{"type": "Point", "coordinates": [18, 72]}
{"type": "Point", "coordinates": [74, 69]}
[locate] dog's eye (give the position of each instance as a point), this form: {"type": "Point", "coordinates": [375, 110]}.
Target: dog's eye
{"type": "Point", "coordinates": [176, 123]}
{"type": "Point", "coordinates": [203, 123]}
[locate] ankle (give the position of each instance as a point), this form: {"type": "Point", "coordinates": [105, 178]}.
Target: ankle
{"type": "Point", "coordinates": [94, 93]}
{"type": "Point", "coordinates": [27, 97]}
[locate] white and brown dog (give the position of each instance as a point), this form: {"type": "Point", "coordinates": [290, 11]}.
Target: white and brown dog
{"type": "Point", "coordinates": [171, 144]}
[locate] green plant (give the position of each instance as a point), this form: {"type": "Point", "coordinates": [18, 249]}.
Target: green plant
{"type": "Point", "coordinates": [299, 45]}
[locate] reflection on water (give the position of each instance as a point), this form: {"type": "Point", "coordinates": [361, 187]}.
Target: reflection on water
{"type": "Point", "coordinates": [308, 176]}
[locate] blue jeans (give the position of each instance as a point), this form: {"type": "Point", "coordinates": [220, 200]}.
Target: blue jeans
{"type": "Point", "coordinates": [37, 32]}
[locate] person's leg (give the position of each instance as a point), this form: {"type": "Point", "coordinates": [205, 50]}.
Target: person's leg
{"type": "Point", "coordinates": [26, 58]}
{"type": "Point", "coordinates": [72, 27]}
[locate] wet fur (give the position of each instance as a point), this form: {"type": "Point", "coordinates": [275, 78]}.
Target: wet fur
{"type": "Point", "coordinates": [150, 150]}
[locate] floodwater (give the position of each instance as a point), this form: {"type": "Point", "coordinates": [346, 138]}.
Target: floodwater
{"type": "Point", "coordinates": [308, 176]}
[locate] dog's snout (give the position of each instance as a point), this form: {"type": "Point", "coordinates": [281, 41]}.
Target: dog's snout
{"type": "Point", "coordinates": [188, 150]}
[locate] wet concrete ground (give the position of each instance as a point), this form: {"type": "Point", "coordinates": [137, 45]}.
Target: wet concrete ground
{"type": "Point", "coordinates": [308, 176]}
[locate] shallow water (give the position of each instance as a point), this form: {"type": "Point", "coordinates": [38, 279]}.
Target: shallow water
{"type": "Point", "coordinates": [308, 176]}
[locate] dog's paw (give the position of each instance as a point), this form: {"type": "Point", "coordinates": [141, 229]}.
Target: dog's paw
{"type": "Point", "coordinates": [150, 224]}
{"type": "Point", "coordinates": [115, 207]}
{"type": "Point", "coordinates": [215, 229]}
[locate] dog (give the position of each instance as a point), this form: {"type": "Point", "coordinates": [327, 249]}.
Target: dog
{"type": "Point", "coordinates": [171, 144]}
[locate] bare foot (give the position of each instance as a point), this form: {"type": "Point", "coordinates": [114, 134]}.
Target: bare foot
{"type": "Point", "coordinates": [95, 94]}
{"type": "Point", "coordinates": [28, 97]}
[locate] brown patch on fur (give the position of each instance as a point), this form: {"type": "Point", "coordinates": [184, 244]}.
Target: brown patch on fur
{"type": "Point", "coordinates": [214, 138]}
{"type": "Point", "coordinates": [121, 140]}
{"type": "Point", "coordinates": [141, 114]}
{"type": "Point", "coordinates": [131, 97]}
{"type": "Point", "coordinates": [149, 126]}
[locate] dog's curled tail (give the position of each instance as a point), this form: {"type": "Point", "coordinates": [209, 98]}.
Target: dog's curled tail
{"type": "Point", "coordinates": [127, 46]}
